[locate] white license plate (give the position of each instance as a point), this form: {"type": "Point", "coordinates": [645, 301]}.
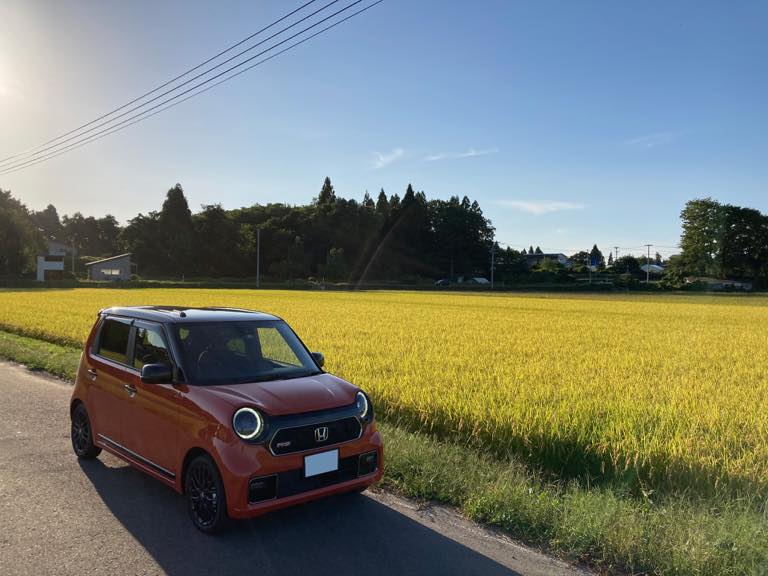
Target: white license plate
{"type": "Point", "coordinates": [321, 463]}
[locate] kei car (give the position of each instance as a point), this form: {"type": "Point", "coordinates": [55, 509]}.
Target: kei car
{"type": "Point", "coordinates": [226, 406]}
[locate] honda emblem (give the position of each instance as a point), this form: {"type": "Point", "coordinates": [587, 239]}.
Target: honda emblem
{"type": "Point", "coordinates": [321, 434]}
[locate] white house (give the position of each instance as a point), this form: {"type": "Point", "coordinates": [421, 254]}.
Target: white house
{"type": "Point", "coordinates": [532, 260]}
{"type": "Point", "coordinates": [52, 260]}
{"type": "Point", "coordinates": [652, 268]}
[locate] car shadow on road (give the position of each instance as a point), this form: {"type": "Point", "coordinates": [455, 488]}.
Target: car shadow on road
{"type": "Point", "coordinates": [340, 535]}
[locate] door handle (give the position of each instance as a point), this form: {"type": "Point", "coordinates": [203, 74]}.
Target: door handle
{"type": "Point", "coordinates": [92, 374]}
{"type": "Point", "coordinates": [130, 389]}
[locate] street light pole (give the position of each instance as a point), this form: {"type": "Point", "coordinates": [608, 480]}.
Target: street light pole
{"type": "Point", "coordinates": [258, 256]}
{"type": "Point", "coordinates": [648, 265]}
{"type": "Point", "coordinates": [493, 254]}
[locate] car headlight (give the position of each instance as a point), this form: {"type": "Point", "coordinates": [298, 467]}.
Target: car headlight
{"type": "Point", "coordinates": [247, 423]}
{"type": "Point", "coordinates": [363, 407]}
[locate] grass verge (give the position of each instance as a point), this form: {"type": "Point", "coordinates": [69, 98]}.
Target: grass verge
{"type": "Point", "coordinates": [61, 361]}
{"type": "Point", "coordinates": [605, 527]}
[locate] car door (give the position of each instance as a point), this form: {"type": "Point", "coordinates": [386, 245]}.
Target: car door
{"type": "Point", "coordinates": [150, 418]}
{"type": "Point", "coordinates": [110, 373]}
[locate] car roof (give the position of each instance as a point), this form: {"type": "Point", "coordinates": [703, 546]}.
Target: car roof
{"type": "Point", "coordinates": [183, 314]}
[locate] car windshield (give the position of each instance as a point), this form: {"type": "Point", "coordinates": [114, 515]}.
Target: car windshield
{"type": "Point", "coordinates": [236, 352]}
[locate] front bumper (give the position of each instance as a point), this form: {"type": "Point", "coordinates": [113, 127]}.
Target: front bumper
{"type": "Point", "coordinates": [243, 462]}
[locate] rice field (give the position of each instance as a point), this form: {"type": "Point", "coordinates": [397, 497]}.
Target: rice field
{"type": "Point", "coordinates": [662, 391]}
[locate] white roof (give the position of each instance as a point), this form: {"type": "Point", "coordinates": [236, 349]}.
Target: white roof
{"type": "Point", "coordinates": [108, 259]}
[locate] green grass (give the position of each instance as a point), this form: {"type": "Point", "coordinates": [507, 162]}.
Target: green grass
{"type": "Point", "coordinates": [605, 527]}
{"type": "Point", "coordinates": [61, 361]}
{"type": "Point", "coordinates": [602, 526]}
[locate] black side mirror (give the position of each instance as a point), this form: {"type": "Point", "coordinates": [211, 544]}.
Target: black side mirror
{"type": "Point", "coordinates": [156, 374]}
{"type": "Point", "coordinates": [319, 358]}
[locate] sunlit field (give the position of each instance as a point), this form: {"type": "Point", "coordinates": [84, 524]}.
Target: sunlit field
{"type": "Point", "coordinates": [662, 391]}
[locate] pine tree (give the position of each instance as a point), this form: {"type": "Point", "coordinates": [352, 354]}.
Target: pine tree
{"type": "Point", "coordinates": [610, 258]}
{"type": "Point", "coordinates": [595, 256]}
{"type": "Point", "coordinates": [327, 193]}
{"type": "Point", "coordinates": [538, 250]}
{"type": "Point", "coordinates": [382, 203]}
{"type": "Point", "coordinates": [530, 249]}
{"type": "Point", "coordinates": [367, 200]}
{"type": "Point", "coordinates": [177, 231]}
{"type": "Point", "coordinates": [410, 196]}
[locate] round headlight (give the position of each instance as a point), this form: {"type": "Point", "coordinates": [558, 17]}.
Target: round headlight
{"type": "Point", "coordinates": [362, 405]}
{"type": "Point", "coordinates": [247, 423]}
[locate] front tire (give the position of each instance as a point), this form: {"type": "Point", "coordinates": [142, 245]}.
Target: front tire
{"type": "Point", "coordinates": [206, 500]}
{"type": "Point", "coordinates": [82, 434]}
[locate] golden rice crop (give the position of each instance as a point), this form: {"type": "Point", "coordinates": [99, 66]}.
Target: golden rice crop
{"type": "Point", "coordinates": [673, 389]}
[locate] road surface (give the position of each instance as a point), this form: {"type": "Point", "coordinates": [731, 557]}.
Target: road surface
{"type": "Point", "coordinates": [61, 516]}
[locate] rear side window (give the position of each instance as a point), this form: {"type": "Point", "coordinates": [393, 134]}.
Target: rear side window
{"type": "Point", "coordinates": [113, 342]}
{"type": "Point", "coordinates": [150, 347]}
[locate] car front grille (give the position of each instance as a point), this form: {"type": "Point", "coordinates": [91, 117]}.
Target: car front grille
{"type": "Point", "coordinates": [299, 438]}
{"type": "Point", "coordinates": [293, 481]}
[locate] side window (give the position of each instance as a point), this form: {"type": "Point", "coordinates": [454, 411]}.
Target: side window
{"type": "Point", "coordinates": [275, 348]}
{"type": "Point", "coordinates": [150, 347]}
{"type": "Point", "coordinates": [113, 340]}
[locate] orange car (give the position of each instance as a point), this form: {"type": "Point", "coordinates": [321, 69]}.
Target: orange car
{"type": "Point", "coordinates": [226, 406]}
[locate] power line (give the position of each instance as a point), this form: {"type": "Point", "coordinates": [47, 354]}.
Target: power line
{"type": "Point", "coordinates": [204, 73]}
{"type": "Point", "coordinates": [143, 115]}
{"type": "Point", "coordinates": [171, 81]}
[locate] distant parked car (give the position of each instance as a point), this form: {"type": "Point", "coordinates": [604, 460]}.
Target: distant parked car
{"type": "Point", "coordinates": [442, 283]}
{"type": "Point", "coordinates": [479, 280]}
{"type": "Point", "coordinates": [225, 406]}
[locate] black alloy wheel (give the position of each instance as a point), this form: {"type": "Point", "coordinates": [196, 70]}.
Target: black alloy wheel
{"type": "Point", "coordinates": [82, 436]}
{"type": "Point", "coordinates": [205, 495]}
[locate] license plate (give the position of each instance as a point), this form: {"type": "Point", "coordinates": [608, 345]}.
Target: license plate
{"type": "Point", "coordinates": [321, 463]}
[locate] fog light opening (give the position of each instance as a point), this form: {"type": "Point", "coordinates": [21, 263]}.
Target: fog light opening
{"type": "Point", "coordinates": [367, 463]}
{"type": "Point", "coordinates": [260, 489]}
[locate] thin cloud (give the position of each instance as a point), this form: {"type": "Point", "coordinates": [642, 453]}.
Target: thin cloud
{"type": "Point", "coordinates": [471, 153]}
{"type": "Point", "coordinates": [651, 140]}
{"type": "Point", "coordinates": [541, 207]}
{"type": "Point", "coordinates": [380, 160]}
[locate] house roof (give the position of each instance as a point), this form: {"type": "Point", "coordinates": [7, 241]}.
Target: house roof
{"type": "Point", "coordinates": [547, 255]}
{"type": "Point", "coordinates": [109, 259]}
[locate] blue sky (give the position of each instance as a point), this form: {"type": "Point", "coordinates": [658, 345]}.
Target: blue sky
{"type": "Point", "coordinates": [570, 122]}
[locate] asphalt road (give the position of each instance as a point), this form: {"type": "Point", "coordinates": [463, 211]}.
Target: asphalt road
{"type": "Point", "coordinates": [61, 516]}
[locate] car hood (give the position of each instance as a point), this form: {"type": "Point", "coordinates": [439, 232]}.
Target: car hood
{"type": "Point", "coordinates": [292, 396]}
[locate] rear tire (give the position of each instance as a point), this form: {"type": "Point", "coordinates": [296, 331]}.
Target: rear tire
{"type": "Point", "coordinates": [206, 500]}
{"type": "Point", "coordinates": [82, 434]}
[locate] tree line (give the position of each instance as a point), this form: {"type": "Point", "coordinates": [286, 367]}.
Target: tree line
{"type": "Point", "coordinates": [723, 241]}
{"type": "Point", "coordinates": [389, 238]}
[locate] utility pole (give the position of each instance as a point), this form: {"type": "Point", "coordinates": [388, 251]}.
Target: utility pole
{"type": "Point", "coordinates": [75, 242]}
{"type": "Point", "coordinates": [648, 265]}
{"type": "Point", "coordinates": [258, 256]}
{"type": "Point", "coordinates": [493, 254]}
